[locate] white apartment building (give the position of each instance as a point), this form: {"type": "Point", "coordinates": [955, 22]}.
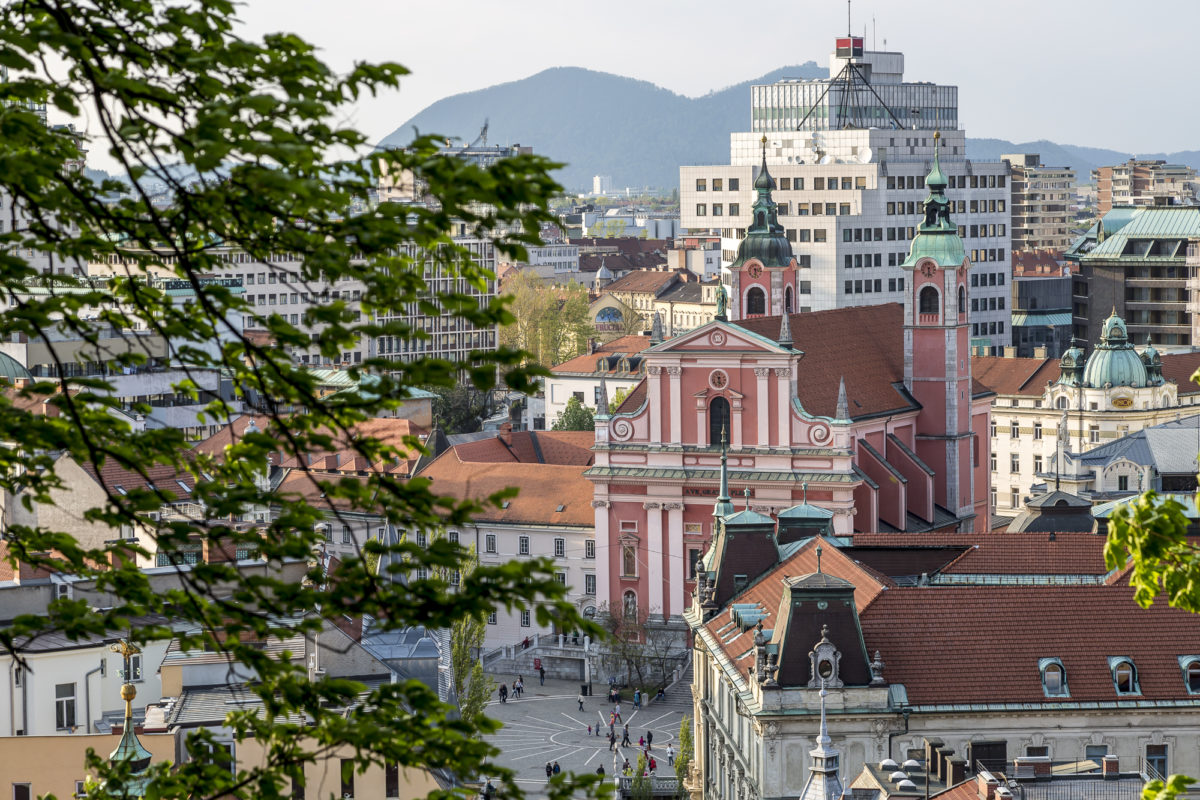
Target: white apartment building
{"type": "Point", "coordinates": [850, 198]}
{"type": "Point", "coordinates": [70, 686]}
{"type": "Point", "coordinates": [1042, 200]}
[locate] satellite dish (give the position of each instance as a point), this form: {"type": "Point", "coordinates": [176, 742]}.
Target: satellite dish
{"type": "Point", "coordinates": [865, 155]}
{"type": "Point", "coordinates": [826, 160]}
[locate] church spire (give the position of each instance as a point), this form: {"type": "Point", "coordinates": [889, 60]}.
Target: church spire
{"type": "Point", "coordinates": [785, 331]}
{"type": "Point", "coordinates": [937, 235]}
{"type": "Point", "coordinates": [602, 403]}
{"type": "Point", "coordinates": [843, 405]}
{"type": "Point", "coordinates": [724, 506]}
{"type": "Point", "coordinates": [823, 780]}
{"type": "Point", "coordinates": [656, 330]}
{"type": "Point", "coordinates": [129, 749]}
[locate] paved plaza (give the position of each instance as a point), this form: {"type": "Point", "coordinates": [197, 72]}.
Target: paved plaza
{"type": "Point", "coordinates": [547, 725]}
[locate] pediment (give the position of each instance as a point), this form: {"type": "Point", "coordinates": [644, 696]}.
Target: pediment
{"type": "Point", "coordinates": [719, 336]}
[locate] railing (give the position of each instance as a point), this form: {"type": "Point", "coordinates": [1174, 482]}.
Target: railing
{"type": "Point", "coordinates": [660, 786]}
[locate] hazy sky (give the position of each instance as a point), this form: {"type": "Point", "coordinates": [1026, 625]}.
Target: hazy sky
{"type": "Point", "coordinates": [1101, 73]}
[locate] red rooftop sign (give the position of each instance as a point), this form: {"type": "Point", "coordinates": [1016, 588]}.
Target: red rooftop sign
{"type": "Point", "coordinates": [850, 47]}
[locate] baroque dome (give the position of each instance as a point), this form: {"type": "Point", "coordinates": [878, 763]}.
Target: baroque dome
{"type": "Point", "coordinates": [1115, 362]}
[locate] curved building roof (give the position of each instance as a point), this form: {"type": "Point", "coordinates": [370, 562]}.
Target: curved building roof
{"type": "Point", "coordinates": [1115, 362]}
{"type": "Point", "coordinates": [11, 370]}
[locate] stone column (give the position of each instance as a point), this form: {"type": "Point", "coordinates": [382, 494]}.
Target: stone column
{"type": "Point", "coordinates": [676, 558]}
{"type": "Point", "coordinates": [764, 413]}
{"type": "Point", "coordinates": [783, 385]}
{"type": "Point", "coordinates": [654, 549]}
{"type": "Point", "coordinates": [654, 376]}
{"type": "Point", "coordinates": [603, 554]}
{"type": "Point", "coordinates": [674, 405]}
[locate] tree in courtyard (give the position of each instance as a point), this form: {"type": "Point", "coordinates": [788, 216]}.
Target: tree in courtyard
{"type": "Point", "coordinates": [642, 787]}
{"type": "Point", "coordinates": [575, 417]}
{"type": "Point", "coordinates": [687, 747]}
{"type": "Point", "coordinates": [472, 688]}
{"type": "Point", "coordinates": [458, 408]}
{"type": "Point", "coordinates": [551, 320]}
{"type": "Point", "coordinates": [245, 137]}
{"type": "Point", "coordinates": [637, 648]}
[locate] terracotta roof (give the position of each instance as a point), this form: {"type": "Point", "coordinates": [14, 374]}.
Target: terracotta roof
{"type": "Point", "coordinates": [626, 244]}
{"type": "Point", "coordinates": [990, 553]}
{"type": "Point", "coordinates": [1028, 376]}
{"type": "Point", "coordinates": [619, 263]}
{"type": "Point", "coordinates": [541, 489]}
{"type": "Point", "coordinates": [565, 448]}
{"type": "Point", "coordinates": [648, 281]}
{"type": "Point", "coordinates": [982, 644]}
{"type": "Point", "coordinates": [166, 479]}
{"type": "Point", "coordinates": [1025, 376]}
{"type": "Point", "coordinates": [344, 459]}
{"type": "Point", "coordinates": [1038, 263]}
{"type": "Point", "coordinates": [586, 363]}
{"type": "Point", "coordinates": [873, 334]}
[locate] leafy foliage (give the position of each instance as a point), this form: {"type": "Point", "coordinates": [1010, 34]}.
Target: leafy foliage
{"type": "Point", "coordinates": [472, 688]}
{"type": "Point", "coordinates": [551, 323]}
{"type": "Point", "coordinates": [642, 787]}
{"type": "Point", "coordinates": [459, 408]}
{"type": "Point", "coordinates": [173, 91]}
{"type": "Point", "coordinates": [575, 417]}
{"type": "Point", "coordinates": [618, 397]}
{"type": "Point", "coordinates": [687, 749]}
{"type": "Point", "coordinates": [640, 650]}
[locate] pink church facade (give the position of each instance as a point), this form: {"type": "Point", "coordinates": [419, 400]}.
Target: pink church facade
{"type": "Point", "coordinates": [867, 416]}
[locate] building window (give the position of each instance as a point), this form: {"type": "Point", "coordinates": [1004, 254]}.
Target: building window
{"type": "Point", "coordinates": [1095, 752]}
{"type": "Point", "coordinates": [391, 779]}
{"type": "Point", "coordinates": [453, 537]}
{"type": "Point", "coordinates": [1054, 678]}
{"type": "Point", "coordinates": [1037, 464]}
{"type": "Point", "coordinates": [629, 605]}
{"type": "Point", "coordinates": [1014, 462]}
{"type": "Point", "coordinates": [716, 184]}
{"type": "Point", "coordinates": [734, 184]}
{"type": "Point", "coordinates": [1191, 673]}
{"type": "Point", "coordinates": [1156, 760]}
{"type": "Point", "coordinates": [525, 618]}
{"type": "Point", "coordinates": [560, 548]}
{"type": "Point", "coordinates": [993, 429]}
{"type": "Point", "coordinates": [700, 209]}
{"type": "Point", "coordinates": [589, 584]}
{"type": "Point", "coordinates": [1014, 497]}
{"type": "Point", "coordinates": [22, 791]}
{"type": "Point", "coordinates": [1037, 751]}
{"type": "Point", "coordinates": [693, 562]}
{"type": "Point", "coordinates": [523, 546]}
{"type": "Point", "coordinates": [1061, 402]}
{"type": "Point", "coordinates": [81, 788]}
{"type": "Point", "coordinates": [1037, 431]}
{"type": "Point", "coordinates": [734, 209]}
{"type": "Point", "coordinates": [756, 301]}
{"type": "Point", "coordinates": [1014, 430]}
{"type": "Point", "coordinates": [701, 184]}
{"type": "Point", "coordinates": [718, 420]}
{"type": "Point", "coordinates": [1122, 483]}
{"type": "Point", "coordinates": [589, 548]}
{"type": "Point", "coordinates": [994, 467]}
{"type": "Point", "coordinates": [489, 543]}
{"type": "Point", "coordinates": [422, 539]}
{"type": "Point", "coordinates": [64, 706]}
{"type": "Point", "coordinates": [561, 577]}
{"type": "Point", "coordinates": [629, 561]}
{"type": "Point", "coordinates": [928, 300]}
{"type": "Point", "coordinates": [1124, 674]}
{"type": "Point", "coordinates": [346, 538]}
{"type": "Point", "coordinates": [1093, 433]}
{"type": "Point", "coordinates": [492, 618]}
{"type": "Point", "coordinates": [135, 668]}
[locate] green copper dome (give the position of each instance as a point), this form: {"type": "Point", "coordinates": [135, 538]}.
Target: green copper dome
{"type": "Point", "coordinates": [11, 370]}
{"type": "Point", "coordinates": [1115, 362]}
{"type": "Point", "coordinates": [1071, 366]}
{"type": "Point", "coordinates": [937, 237]}
{"type": "Point", "coordinates": [1153, 362]}
{"type": "Point", "coordinates": [765, 239]}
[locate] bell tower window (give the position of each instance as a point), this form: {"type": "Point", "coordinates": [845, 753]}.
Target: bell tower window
{"type": "Point", "coordinates": [718, 419]}
{"type": "Point", "coordinates": [962, 300]}
{"type": "Point", "coordinates": [787, 300]}
{"type": "Point", "coordinates": [927, 300]}
{"type": "Point", "coordinates": [756, 302]}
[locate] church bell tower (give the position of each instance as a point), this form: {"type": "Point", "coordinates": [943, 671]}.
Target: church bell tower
{"type": "Point", "coordinates": [937, 358]}
{"type": "Point", "coordinates": [763, 276]}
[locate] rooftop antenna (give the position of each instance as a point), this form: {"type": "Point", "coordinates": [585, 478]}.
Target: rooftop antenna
{"type": "Point", "coordinates": [746, 494]}
{"type": "Point", "coordinates": [874, 33]}
{"type": "Point", "coordinates": [818, 558]}
{"type": "Point", "coordinates": [849, 29]}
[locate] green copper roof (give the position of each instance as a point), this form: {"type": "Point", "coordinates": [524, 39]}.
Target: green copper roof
{"type": "Point", "coordinates": [11, 369]}
{"type": "Point", "coordinates": [937, 237]}
{"type": "Point", "coordinates": [1138, 234]}
{"type": "Point", "coordinates": [748, 517]}
{"type": "Point", "coordinates": [806, 511]}
{"type": "Point", "coordinates": [130, 751]}
{"type": "Point", "coordinates": [1115, 362]}
{"type": "Point", "coordinates": [765, 239]}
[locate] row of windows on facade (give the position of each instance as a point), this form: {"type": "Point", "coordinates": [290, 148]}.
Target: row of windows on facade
{"type": "Point", "coordinates": [895, 234]}
{"type": "Point", "coordinates": [1124, 676]}
{"type": "Point", "coordinates": [914, 208]}
{"type": "Point", "coordinates": [1014, 427]}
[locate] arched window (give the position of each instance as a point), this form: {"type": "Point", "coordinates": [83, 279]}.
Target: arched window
{"type": "Point", "coordinates": [1061, 402]}
{"type": "Point", "coordinates": [718, 420]}
{"type": "Point", "coordinates": [1125, 676]}
{"type": "Point", "coordinates": [756, 301]}
{"type": "Point", "coordinates": [629, 604]}
{"type": "Point", "coordinates": [962, 300]}
{"type": "Point", "coordinates": [928, 300]}
{"type": "Point", "coordinates": [1054, 678]}
{"type": "Point", "coordinates": [760, 220]}
{"type": "Point", "coordinates": [787, 300]}
{"type": "Point", "coordinates": [1191, 676]}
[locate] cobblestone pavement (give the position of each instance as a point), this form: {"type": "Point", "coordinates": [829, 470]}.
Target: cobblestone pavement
{"type": "Point", "coordinates": [547, 725]}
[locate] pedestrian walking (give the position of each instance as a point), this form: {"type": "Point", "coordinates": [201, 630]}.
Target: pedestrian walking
{"type": "Point", "coordinates": [597, 730]}
{"type": "Point", "coordinates": [625, 738]}
{"type": "Point", "coordinates": [642, 742]}
{"type": "Point", "coordinates": [503, 693]}
{"type": "Point", "coordinates": [612, 741]}
{"type": "Point", "coordinates": [580, 698]}
{"type": "Point", "coordinates": [557, 768]}
{"type": "Point", "coordinates": [653, 765]}
{"type": "Point", "coordinates": [489, 791]}
{"type": "Point", "coordinates": [600, 772]}
{"type": "Point", "coordinates": [589, 730]}
{"type": "Point", "coordinates": [542, 675]}
{"type": "Point", "coordinates": [670, 755]}
{"type": "Point", "coordinates": [617, 712]}
{"type": "Point", "coordinates": [637, 698]}
{"type": "Point", "coordinates": [520, 686]}
{"type": "Point", "coordinates": [549, 770]}
{"type": "Point", "coordinates": [649, 740]}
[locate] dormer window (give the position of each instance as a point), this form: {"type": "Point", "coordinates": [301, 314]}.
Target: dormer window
{"type": "Point", "coordinates": [1124, 675]}
{"type": "Point", "coordinates": [1191, 673]}
{"type": "Point", "coordinates": [1054, 678]}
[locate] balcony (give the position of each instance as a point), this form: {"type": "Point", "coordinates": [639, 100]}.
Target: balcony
{"type": "Point", "coordinates": [928, 319]}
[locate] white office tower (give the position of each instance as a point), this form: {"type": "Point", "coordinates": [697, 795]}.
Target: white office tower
{"type": "Point", "coordinates": [849, 155]}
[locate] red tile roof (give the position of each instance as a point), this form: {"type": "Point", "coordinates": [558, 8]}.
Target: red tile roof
{"type": "Point", "coordinates": [541, 489]}
{"type": "Point", "coordinates": [586, 363]}
{"type": "Point", "coordinates": [642, 281]}
{"type": "Point", "coordinates": [998, 553]}
{"type": "Point", "coordinates": [1028, 376]}
{"type": "Point", "coordinates": [565, 448]}
{"type": "Point", "coordinates": [874, 337]}
{"type": "Point", "coordinates": [981, 643]}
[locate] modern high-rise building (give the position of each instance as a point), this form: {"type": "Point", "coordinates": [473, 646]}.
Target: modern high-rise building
{"type": "Point", "coordinates": [1042, 216]}
{"type": "Point", "coordinates": [1144, 183]}
{"type": "Point", "coordinates": [849, 156]}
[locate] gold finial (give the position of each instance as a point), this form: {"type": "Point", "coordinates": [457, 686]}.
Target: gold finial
{"type": "Point", "coordinates": [764, 140]}
{"type": "Point", "coordinates": [937, 135]}
{"type": "Point", "coordinates": [126, 648]}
